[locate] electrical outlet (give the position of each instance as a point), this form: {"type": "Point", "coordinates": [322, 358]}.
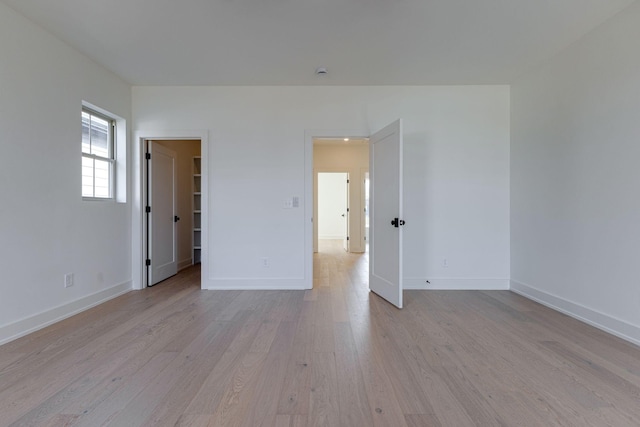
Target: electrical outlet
{"type": "Point", "coordinates": [68, 280]}
{"type": "Point", "coordinates": [265, 262]}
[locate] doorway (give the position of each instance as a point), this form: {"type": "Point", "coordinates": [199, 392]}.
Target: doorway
{"type": "Point", "coordinates": [174, 196]}
{"type": "Point", "coordinates": [191, 202]}
{"type": "Point", "coordinates": [333, 208]}
{"type": "Point", "coordinates": [385, 210]}
{"type": "Point", "coordinates": [339, 165]}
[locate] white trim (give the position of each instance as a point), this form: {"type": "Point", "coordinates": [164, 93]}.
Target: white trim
{"type": "Point", "coordinates": [138, 231]}
{"type": "Point", "coordinates": [363, 216]}
{"type": "Point", "coordinates": [457, 283]}
{"type": "Point", "coordinates": [50, 316]}
{"type": "Point", "coordinates": [257, 284]}
{"type": "Point", "coordinates": [309, 135]}
{"type": "Point", "coordinates": [592, 317]}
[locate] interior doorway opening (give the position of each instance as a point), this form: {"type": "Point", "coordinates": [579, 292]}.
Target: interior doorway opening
{"type": "Point", "coordinates": [173, 207]}
{"type": "Point", "coordinates": [191, 204]}
{"type": "Point", "coordinates": [385, 155]}
{"type": "Point", "coordinates": [340, 166]}
{"type": "Point", "coordinates": [333, 208]}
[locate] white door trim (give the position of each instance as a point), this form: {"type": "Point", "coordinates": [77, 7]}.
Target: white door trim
{"type": "Point", "coordinates": [309, 136]}
{"type": "Point", "coordinates": [138, 197]}
{"type": "Point", "coordinates": [363, 206]}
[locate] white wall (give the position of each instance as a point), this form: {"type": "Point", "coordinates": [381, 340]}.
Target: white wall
{"type": "Point", "coordinates": [46, 230]}
{"type": "Point", "coordinates": [575, 205]}
{"type": "Point", "coordinates": [456, 174]}
{"type": "Point", "coordinates": [354, 159]}
{"type": "Point", "coordinates": [332, 205]}
{"type": "Point", "coordinates": [185, 150]}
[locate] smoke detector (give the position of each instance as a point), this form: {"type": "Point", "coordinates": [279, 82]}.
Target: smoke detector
{"type": "Point", "coordinates": [321, 71]}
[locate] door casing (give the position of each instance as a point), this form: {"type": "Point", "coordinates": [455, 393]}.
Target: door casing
{"type": "Point", "coordinates": [139, 197]}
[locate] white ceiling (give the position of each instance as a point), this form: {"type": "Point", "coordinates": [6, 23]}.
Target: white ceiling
{"type": "Point", "coordinates": [281, 42]}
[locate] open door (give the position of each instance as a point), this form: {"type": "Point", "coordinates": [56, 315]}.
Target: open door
{"type": "Point", "coordinates": [161, 213]}
{"type": "Point", "coordinates": [385, 213]}
{"type": "Point", "coordinates": [345, 215]}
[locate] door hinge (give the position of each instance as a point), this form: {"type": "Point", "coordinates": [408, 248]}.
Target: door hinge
{"type": "Point", "coordinates": [347, 181]}
{"type": "Point", "coordinates": [147, 262]}
{"type": "Point", "coordinates": [347, 237]}
{"type": "Point", "coordinates": [147, 156]}
{"type": "Point", "coordinates": [347, 209]}
{"type": "Point", "coordinates": [147, 209]}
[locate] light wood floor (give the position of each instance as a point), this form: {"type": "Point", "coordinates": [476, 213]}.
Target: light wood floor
{"type": "Point", "coordinates": [333, 356]}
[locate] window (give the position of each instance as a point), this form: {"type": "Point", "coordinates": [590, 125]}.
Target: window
{"type": "Point", "coordinates": [98, 157]}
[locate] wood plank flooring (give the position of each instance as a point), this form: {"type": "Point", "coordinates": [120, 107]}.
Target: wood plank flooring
{"type": "Point", "coordinates": [337, 355]}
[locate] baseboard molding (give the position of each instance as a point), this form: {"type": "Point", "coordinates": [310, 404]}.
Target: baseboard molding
{"type": "Point", "coordinates": [457, 283]}
{"type": "Point", "coordinates": [41, 320]}
{"type": "Point", "coordinates": [185, 263]}
{"type": "Point", "coordinates": [602, 321]}
{"type": "Point", "coordinates": [257, 284]}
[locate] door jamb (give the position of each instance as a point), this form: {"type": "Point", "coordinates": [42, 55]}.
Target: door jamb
{"type": "Point", "coordinates": [139, 195]}
{"type": "Point", "coordinates": [363, 205]}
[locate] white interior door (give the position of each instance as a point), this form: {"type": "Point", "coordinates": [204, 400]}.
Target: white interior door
{"type": "Point", "coordinates": [162, 248]}
{"type": "Point", "coordinates": [385, 213]}
{"type": "Point", "coordinates": [345, 241]}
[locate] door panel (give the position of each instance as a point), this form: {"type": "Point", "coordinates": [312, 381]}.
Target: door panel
{"type": "Point", "coordinates": [385, 199]}
{"type": "Point", "coordinates": [162, 227]}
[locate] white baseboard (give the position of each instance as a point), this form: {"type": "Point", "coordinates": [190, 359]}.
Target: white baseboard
{"type": "Point", "coordinates": [457, 283]}
{"type": "Point", "coordinates": [41, 320]}
{"type": "Point", "coordinates": [255, 284]}
{"type": "Point", "coordinates": [602, 321]}
{"type": "Point", "coordinates": [185, 263]}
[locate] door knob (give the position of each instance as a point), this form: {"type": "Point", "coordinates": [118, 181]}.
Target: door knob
{"type": "Point", "coordinates": [176, 218]}
{"type": "Point", "coordinates": [397, 222]}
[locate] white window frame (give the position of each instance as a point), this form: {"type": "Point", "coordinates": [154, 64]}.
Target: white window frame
{"type": "Point", "coordinates": [111, 159]}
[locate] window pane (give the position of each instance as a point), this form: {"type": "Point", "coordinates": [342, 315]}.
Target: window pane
{"type": "Point", "coordinates": [99, 137]}
{"type": "Point", "coordinates": [102, 171]}
{"type": "Point", "coordinates": [86, 142]}
{"type": "Point", "coordinates": [87, 177]}
{"type": "Point", "coordinates": [97, 143]}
